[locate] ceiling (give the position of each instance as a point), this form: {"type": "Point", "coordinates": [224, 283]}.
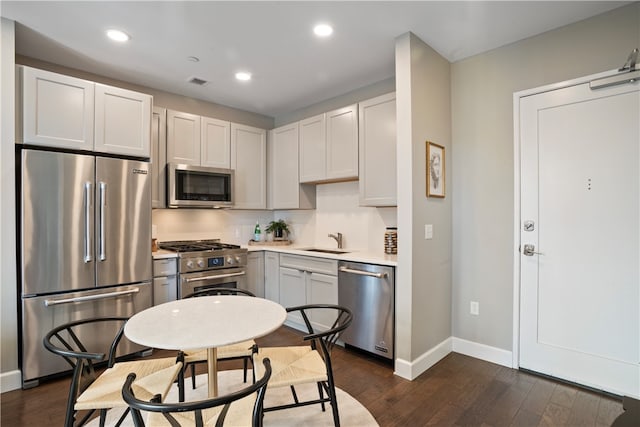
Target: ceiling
{"type": "Point", "coordinates": [274, 41]}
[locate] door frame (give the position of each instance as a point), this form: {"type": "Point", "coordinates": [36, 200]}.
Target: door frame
{"type": "Point", "coordinates": [515, 349]}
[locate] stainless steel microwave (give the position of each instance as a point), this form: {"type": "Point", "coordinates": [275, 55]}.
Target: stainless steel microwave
{"type": "Point", "coordinates": [199, 187]}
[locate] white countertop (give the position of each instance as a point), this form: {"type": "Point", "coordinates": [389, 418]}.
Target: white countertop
{"type": "Point", "coordinates": [350, 255]}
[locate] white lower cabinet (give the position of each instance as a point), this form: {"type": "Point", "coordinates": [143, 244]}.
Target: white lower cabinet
{"type": "Point", "coordinates": [308, 280]}
{"type": "Point", "coordinates": [255, 273]}
{"type": "Point", "coordinates": [165, 280]}
{"type": "Point", "coordinates": [272, 276]}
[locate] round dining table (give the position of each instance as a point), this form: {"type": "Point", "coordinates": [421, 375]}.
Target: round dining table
{"type": "Point", "coordinates": [205, 322]}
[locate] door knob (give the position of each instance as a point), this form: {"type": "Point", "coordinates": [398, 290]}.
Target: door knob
{"type": "Point", "coordinates": [530, 250]}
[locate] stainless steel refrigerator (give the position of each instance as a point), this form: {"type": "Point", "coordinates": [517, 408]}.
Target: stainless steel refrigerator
{"type": "Point", "coordinates": [85, 248]}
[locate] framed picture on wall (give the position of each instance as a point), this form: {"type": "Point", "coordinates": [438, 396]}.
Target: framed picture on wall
{"type": "Point", "coordinates": [435, 170]}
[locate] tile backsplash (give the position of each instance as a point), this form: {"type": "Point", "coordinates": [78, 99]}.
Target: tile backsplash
{"type": "Point", "coordinates": [337, 210]}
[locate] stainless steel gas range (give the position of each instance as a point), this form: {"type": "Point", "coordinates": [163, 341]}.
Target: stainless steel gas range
{"type": "Point", "coordinates": [206, 264]}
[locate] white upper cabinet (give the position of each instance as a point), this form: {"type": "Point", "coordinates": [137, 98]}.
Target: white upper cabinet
{"type": "Point", "coordinates": [57, 110]}
{"type": "Point", "coordinates": [215, 146]}
{"type": "Point", "coordinates": [313, 151]}
{"type": "Point", "coordinates": [329, 146]}
{"type": "Point", "coordinates": [249, 160]}
{"type": "Point", "coordinates": [122, 121]}
{"type": "Point", "coordinates": [377, 127]}
{"type": "Point", "coordinates": [285, 190]}
{"type": "Point", "coordinates": [67, 112]}
{"type": "Point", "coordinates": [183, 138]}
{"type": "Point", "coordinates": [159, 158]}
{"type": "Point", "coordinates": [342, 143]}
{"type": "Point", "coordinates": [198, 141]}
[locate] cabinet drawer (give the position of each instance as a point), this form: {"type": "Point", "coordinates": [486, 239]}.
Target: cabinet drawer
{"type": "Point", "coordinates": [310, 264]}
{"type": "Point", "coordinates": [164, 267]}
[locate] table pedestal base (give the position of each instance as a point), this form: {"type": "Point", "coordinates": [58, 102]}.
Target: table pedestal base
{"type": "Point", "coordinates": [212, 368]}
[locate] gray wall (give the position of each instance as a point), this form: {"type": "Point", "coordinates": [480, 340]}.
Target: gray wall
{"type": "Point", "coordinates": [423, 281]}
{"type": "Point", "coordinates": [161, 98]}
{"type": "Point", "coordinates": [483, 201]}
{"type": "Point", "coordinates": [8, 292]}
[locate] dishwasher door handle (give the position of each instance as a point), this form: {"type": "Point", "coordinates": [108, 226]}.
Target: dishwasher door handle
{"type": "Point", "coordinates": [363, 273]}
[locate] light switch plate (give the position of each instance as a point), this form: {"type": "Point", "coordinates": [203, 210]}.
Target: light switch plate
{"type": "Point", "coordinates": [428, 231]}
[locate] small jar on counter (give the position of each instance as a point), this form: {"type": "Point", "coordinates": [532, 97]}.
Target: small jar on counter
{"type": "Point", "coordinates": [391, 240]}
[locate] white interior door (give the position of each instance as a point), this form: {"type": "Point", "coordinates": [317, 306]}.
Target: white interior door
{"type": "Point", "coordinates": [580, 186]}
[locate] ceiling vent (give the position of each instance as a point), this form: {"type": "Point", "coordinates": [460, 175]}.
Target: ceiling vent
{"type": "Point", "coordinates": [197, 81]}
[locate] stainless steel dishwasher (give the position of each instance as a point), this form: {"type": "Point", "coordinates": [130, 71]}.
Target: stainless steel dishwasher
{"type": "Point", "coordinates": [368, 291]}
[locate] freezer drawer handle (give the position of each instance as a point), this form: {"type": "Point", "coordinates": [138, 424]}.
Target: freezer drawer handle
{"type": "Point", "coordinates": [87, 223]}
{"type": "Point", "coordinates": [50, 302]}
{"type": "Point", "coordinates": [363, 273]}
{"type": "Point", "coordinates": [218, 276]}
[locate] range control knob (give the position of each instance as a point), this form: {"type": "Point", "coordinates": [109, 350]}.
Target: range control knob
{"type": "Point", "coordinates": [189, 264]}
{"type": "Point", "coordinates": [238, 259]}
{"type": "Point", "coordinates": [200, 263]}
{"type": "Point", "coordinates": [230, 261]}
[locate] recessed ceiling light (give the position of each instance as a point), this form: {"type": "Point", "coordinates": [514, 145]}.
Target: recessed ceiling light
{"type": "Point", "coordinates": [243, 75]}
{"type": "Point", "coordinates": [117, 35]}
{"type": "Point", "coordinates": [323, 30]}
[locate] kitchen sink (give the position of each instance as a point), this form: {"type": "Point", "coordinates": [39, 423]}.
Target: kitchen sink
{"type": "Point", "coordinates": [325, 251]}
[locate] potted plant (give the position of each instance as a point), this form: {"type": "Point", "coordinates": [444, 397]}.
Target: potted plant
{"type": "Point", "coordinates": [278, 228]}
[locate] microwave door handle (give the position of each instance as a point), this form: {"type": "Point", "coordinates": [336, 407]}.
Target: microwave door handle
{"type": "Point", "coordinates": [88, 244]}
{"type": "Point", "coordinates": [102, 253]}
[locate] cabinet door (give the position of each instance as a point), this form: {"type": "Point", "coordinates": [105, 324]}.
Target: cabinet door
{"type": "Point", "coordinates": [57, 110]}
{"type": "Point", "coordinates": [249, 160]}
{"type": "Point", "coordinates": [377, 145]}
{"type": "Point", "coordinates": [293, 292]}
{"type": "Point", "coordinates": [342, 143]}
{"type": "Point", "coordinates": [255, 273]}
{"type": "Point", "coordinates": [122, 121]}
{"type": "Point", "coordinates": [183, 138]}
{"type": "Point", "coordinates": [165, 289]}
{"type": "Point", "coordinates": [159, 158]}
{"type": "Point", "coordinates": [312, 149]}
{"type": "Point", "coordinates": [272, 276]}
{"type": "Point", "coordinates": [284, 185]}
{"type": "Point", "coordinates": [322, 289]}
{"type": "Point", "coordinates": [215, 146]}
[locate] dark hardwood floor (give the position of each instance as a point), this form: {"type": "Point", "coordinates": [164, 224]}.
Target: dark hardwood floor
{"type": "Point", "coordinates": [457, 391]}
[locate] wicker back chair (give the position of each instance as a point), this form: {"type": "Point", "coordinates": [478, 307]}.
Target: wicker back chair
{"type": "Point", "coordinates": [240, 408]}
{"type": "Point", "coordinates": [308, 364]}
{"type": "Point", "coordinates": [90, 390]}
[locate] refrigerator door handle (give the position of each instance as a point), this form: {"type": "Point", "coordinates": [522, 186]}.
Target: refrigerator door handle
{"type": "Point", "coordinates": [88, 244]}
{"type": "Point", "coordinates": [51, 302]}
{"type": "Point", "coordinates": [102, 253]}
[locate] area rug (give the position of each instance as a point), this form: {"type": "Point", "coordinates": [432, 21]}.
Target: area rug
{"type": "Point", "coordinates": [352, 413]}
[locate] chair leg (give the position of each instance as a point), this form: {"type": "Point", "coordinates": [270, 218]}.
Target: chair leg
{"type": "Point", "coordinates": [181, 385]}
{"type": "Point", "coordinates": [321, 393]}
{"type": "Point", "coordinates": [334, 402]}
{"type": "Point", "coordinates": [293, 392]}
{"type": "Point", "coordinates": [103, 417]}
{"type": "Point", "coordinates": [245, 369]}
{"type": "Point", "coordinates": [193, 376]}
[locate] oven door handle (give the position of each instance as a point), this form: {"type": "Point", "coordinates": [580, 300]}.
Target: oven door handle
{"type": "Point", "coordinates": [218, 276]}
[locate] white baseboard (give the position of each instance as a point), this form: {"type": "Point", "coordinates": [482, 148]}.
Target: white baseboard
{"type": "Point", "coordinates": [483, 352]}
{"type": "Point", "coordinates": [11, 380]}
{"type": "Point", "coordinates": [411, 370]}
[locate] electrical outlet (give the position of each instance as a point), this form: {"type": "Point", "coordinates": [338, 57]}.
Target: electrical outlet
{"type": "Point", "coordinates": [474, 308]}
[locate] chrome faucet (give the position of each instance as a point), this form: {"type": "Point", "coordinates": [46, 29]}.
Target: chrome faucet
{"type": "Point", "coordinates": [338, 237]}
